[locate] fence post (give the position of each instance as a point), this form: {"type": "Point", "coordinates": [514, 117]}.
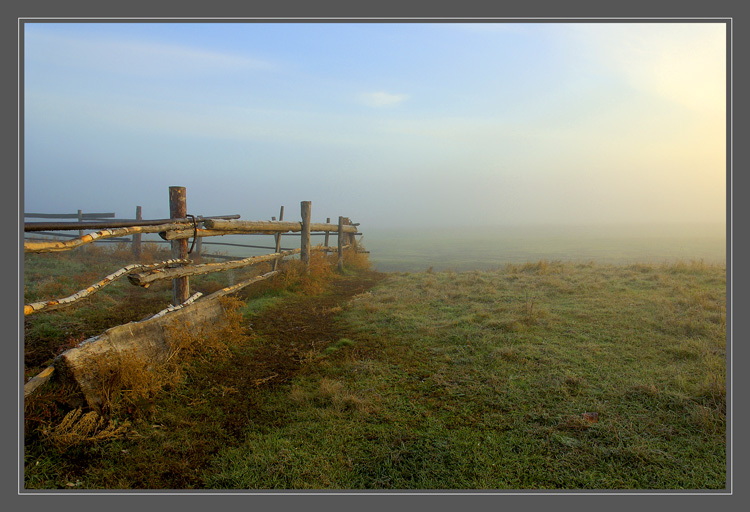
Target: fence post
{"type": "Point", "coordinates": [80, 219]}
{"type": "Point", "coordinates": [178, 210]}
{"type": "Point", "coordinates": [305, 235]}
{"type": "Point", "coordinates": [328, 221]}
{"type": "Point", "coordinates": [137, 237]}
{"type": "Point", "coordinates": [278, 239]}
{"type": "Point", "coordinates": [341, 243]}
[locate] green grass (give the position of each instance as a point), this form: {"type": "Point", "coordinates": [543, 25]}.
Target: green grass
{"type": "Point", "coordinates": [474, 380]}
{"type": "Point", "coordinates": [479, 380]}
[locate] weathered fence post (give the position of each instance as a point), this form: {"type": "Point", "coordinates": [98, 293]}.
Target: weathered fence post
{"type": "Point", "coordinates": [328, 221]}
{"type": "Point", "coordinates": [305, 235]}
{"type": "Point", "coordinates": [137, 237]}
{"type": "Point", "coordinates": [178, 210]}
{"type": "Point", "coordinates": [278, 239]}
{"type": "Point", "coordinates": [80, 219]}
{"type": "Point", "coordinates": [341, 243]}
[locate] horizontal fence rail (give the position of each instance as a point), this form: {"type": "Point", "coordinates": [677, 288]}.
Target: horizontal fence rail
{"type": "Point", "coordinates": [70, 226]}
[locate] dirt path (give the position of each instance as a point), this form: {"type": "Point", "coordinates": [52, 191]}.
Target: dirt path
{"type": "Point", "coordinates": [292, 330]}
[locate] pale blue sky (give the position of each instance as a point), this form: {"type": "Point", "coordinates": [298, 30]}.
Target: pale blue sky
{"type": "Point", "coordinates": [384, 123]}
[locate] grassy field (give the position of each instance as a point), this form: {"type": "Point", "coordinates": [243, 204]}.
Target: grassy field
{"type": "Point", "coordinates": [543, 375]}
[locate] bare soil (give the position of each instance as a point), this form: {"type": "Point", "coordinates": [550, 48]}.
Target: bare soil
{"type": "Point", "coordinates": [290, 332]}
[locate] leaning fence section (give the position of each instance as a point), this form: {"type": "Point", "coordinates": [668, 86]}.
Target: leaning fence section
{"type": "Point", "coordinates": [184, 233]}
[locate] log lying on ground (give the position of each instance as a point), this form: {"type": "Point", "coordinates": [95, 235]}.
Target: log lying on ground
{"type": "Point", "coordinates": [97, 361]}
{"type": "Point", "coordinates": [246, 226]}
{"type": "Point", "coordinates": [67, 245]}
{"type": "Point", "coordinates": [35, 307]}
{"type": "Point", "coordinates": [146, 278]}
{"type": "Point", "coordinates": [92, 364]}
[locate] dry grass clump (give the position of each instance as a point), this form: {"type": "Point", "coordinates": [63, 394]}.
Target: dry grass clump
{"type": "Point", "coordinates": [296, 276]}
{"type": "Point", "coordinates": [129, 383]}
{"type": "Point", "coordinates": [78, 428]}
{"type": "Point", "coordinates": [332, 394]}
{"type": "Point", "coordinates": [355, 260]}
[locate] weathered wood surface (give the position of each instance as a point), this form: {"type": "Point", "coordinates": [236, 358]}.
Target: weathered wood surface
{"type": "Point", "coordinates": [95, 360]}
{"type": "Point", "coordinates": [269, 226]}
{"type": "Point", "coordinates": [57, 246]}
{"type": "Point", "coordinates": [340, 227]}
{"type": "Point", "coordinates": [328, 233]}
{"type": "Point", "coordinates": [49, 305]}
{"type": "Point", "coordinates": [111, 224]}
{"type": "Point", "coordinates": [193, 298]}
{"type": "Point", "coordinates": [137, 238]}
{"type": "Point", "coordinates": [278, 239]}
{"type": "Point", "coordinates": [305, 242]}
{"type": "Point", "coordinates": [178, 210]}
{"type": "Point", "coordinates": [146, 278]}
{"type": "Point", "coordinates": [36, 382]}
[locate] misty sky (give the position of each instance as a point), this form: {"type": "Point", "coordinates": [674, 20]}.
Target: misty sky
{"type": "Point", "coordinates": [389, 124]}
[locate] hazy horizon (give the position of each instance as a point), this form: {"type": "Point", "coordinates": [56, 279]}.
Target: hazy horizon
{"type": "Point", "coordinates": [421, 124]}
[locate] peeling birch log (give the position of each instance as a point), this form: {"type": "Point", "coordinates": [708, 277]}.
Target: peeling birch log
{"type": "Point", "coordinates": [192, 299]}
{"type": "Point", "coordinates": [146, 278]}
{"type": "Point", "coordinates": [247, 226]}
{"type": "Point", "coordinates": [67, 245]}
{"type": "Point", "coordinates": [50, 305]}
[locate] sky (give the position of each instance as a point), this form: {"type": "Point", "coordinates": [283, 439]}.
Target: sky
{"type": "Point", "coordinates": [390, 124]}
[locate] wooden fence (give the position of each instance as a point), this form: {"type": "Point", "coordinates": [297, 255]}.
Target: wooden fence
{"type": "Point", "coordinates": [177, 230]}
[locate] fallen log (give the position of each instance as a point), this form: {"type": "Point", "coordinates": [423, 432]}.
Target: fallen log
{"type": "Point", "coordinates": [94, 363]}
{"type": "Point", "coordinates": [91, 364]}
